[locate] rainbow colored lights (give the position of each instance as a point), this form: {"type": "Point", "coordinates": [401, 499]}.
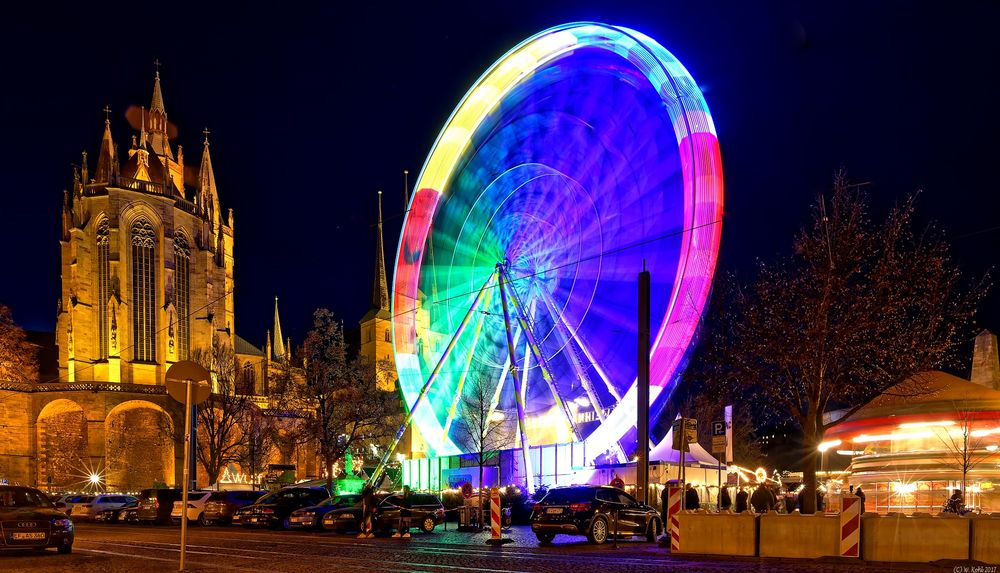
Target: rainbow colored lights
{"type": "Point", "coordinates": [582, 154]}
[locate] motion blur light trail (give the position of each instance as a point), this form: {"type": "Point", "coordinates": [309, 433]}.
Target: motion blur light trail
{"type": "Point", "coordinates": [582, 154]}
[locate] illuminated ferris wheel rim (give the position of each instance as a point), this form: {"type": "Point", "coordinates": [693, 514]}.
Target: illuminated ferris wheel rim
{"type": "Point", "coordinates": [702, 184]}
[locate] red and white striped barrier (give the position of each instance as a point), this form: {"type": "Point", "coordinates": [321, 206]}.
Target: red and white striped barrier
{"type": "Point", "coordinates": [675, 503]}
{"type": "Point", "coordinates": [850, 526]}
{"type": "Point", "coordinates": [495, 512]}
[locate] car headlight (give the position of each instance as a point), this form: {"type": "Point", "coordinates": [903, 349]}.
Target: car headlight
{"type": "Point", "coordinates": [63, 523]}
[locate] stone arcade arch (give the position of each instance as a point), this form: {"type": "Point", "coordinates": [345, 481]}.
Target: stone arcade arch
{"type": "Point", "coordinates": [62, 445]}
{"type": "Point", "coordinates": [139, 446]}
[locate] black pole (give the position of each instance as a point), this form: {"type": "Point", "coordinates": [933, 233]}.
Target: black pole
{"type": "Point", "coordinates": [642, 426]}
{"type": "Point", "coordinates": [193, 485]}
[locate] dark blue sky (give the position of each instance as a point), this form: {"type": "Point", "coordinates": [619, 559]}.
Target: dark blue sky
{"type": "Point", "coordinates": [313, 109]}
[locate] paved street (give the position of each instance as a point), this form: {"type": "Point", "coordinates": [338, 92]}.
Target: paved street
{"type": "Point", "coordinates": [114, 549]}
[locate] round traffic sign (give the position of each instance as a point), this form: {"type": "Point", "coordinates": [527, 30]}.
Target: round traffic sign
{"type": "Point", "coordinates": [467, 490]}
{"type": "Point", "coordinates": [180, 374]}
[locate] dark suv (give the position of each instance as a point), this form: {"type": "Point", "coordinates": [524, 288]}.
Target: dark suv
{"type": "Point", "coordinates": [274, 508]}
{"type": "Point", "coordinates": [426, 512]}
{"type": "Point", "coordinates": [155, 505]}
{"type": "Point", "coordinates": [221, 505]}
{"type": "Point", "coordinates": [592, 511]}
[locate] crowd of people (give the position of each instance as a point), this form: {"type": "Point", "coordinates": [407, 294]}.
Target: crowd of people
{"type": "Point", "coordinates": [762, 499]}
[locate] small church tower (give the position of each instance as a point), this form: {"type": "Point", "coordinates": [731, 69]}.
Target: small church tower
{"type": "Point", "coordinates": [376, 324]}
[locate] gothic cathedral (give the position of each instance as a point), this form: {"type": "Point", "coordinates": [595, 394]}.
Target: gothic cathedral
{"type": "Point", "coordinates": [147, 259]}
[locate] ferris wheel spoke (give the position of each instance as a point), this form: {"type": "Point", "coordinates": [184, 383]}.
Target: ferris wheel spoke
{"type": "Point", "coordinates": [574, 359]}
{"type": "Point", "coordinates": [519, 310]}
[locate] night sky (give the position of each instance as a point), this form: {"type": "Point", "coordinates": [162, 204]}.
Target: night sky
{"type": "Point", "coordinates": [311, 110]}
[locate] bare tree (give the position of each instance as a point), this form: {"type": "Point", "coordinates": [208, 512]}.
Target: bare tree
{"type": "Point", "coordinates": [345, 408]}
{"type": "Point", "coordinates": [858, 309]}
{"type": "Point", "coordinates": [221, 417]}
{"type": "Point", "coordinates": [257, 432]}
{"type": "Point", "coordinates": [966, 445]}
{"type": "Point", "coordinates": [482, 429]}
{"type": "Point", "coordinates": [18, 358]}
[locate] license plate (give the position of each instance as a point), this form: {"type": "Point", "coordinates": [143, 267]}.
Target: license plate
{"type": "Point", "coordinates": [28, 536]}
{"type": "Point", "coordinates": [553, 510]}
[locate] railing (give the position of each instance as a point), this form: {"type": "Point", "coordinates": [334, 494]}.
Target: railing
{"type": "Point", "coordinates": [84, 387]}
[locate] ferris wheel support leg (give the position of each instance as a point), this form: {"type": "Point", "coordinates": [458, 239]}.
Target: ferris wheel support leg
{"type": "Point", "coordinates": [525, 448]}
{"type": "Point", "coordinates": [377, 474]}
{"type": "Point", "coordinates": [519, 308]}
{"type": "Point", "coordinates": [567, 339]}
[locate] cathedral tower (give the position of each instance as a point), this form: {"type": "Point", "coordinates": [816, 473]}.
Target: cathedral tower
{"type": "Point", "coordinates": [147, 259]}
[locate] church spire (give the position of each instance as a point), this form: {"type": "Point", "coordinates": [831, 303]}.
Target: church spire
{"type": "Point", "coordinates": [157, 104]}
{"type": "Point", "coordinates": [279, 344]}
{"type": "Point", "coordinates": [380, 290]}
{"type": "Point", "coordinates": [207, 193]}
{"type": "Point", "coordinates": [106, 159]}
{"type": "Point", "coordinates": [158, 119]}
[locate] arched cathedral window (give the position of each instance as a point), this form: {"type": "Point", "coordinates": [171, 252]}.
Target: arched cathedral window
{"type": "Point", "coordinates": [143, 291]}
{"type": "Point", "coordinates": [182, 294]}
{"type": "Point", "coordinates": [103, 286]}
{"type": "Point", "coordinates": [388, 335]}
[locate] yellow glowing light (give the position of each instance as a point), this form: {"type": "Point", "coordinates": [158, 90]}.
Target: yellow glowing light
{"type": "Point", "coordinates": [902, 488]}
{"type": "Point", "coordinates": [94, 479]}
{"type": "Point", "coordinates": [760, 474]}
{"type": "Point", "coordinates": [863, 438]}
{"type": "Point", "coordinates": [983, 433]}
{"type": "Point", "coordinates": [827, 445]}
{"type": "Point", "coordinates": [911, 425]}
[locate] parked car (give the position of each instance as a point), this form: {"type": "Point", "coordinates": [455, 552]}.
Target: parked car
{"type": "Point", "coordinates": [426, 512]}
{"type": "Point", "coordinates": [155, 505]}
{"type": "Point", "coordinates": [345, 519]}
{"type": "Point", "coordinates": [312, 516]}
{"type": "Point", "coordinates": [129, 514]}
{"type": "Point", "coordinates": [592, 511]}
{"type": "Point", "coordinates": [69, 501]}
{"type": "Point", "coordinates": [90, 509]}
{"type": "Point", "coordinates": [196, 506]}
{"type": "Point", "coordinates": [118, 514]}
{"type": "Point", "coordinates": [29, 520]}
{"type": "Point", "coordinates": [274, 509]}
{"type": "Point", "coordinates": [222, 505]}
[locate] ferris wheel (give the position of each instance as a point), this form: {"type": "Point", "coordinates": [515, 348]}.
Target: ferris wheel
{"type": "Point", "coordinates": [584, 155]}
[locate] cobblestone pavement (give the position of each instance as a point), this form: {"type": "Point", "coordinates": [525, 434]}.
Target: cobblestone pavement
{"type": "Point", "coordinates": [119, 549]}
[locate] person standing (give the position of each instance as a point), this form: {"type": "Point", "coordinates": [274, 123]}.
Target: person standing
{"type": "Point", "coordinates": [725, 502]}
{"type": "Point", "coordinates": [691, 500]}
{"type": "Point", "coordinates": [861, 496]}
{"type": "Point", "coordinates": [367, 509]}
{"type": "Point", "coordinates": [761, 500]}
{"type": "Point", "coordinates": [405, 503]}
{"type": "Point", "coordinates": [741, 500]}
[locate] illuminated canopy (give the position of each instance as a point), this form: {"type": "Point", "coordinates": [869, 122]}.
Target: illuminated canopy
{"type": "Point", "coordinates": [583, 154]}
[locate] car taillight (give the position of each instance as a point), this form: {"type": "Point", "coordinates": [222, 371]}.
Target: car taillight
{"type": "Point", "coordinates": [537, 507]}
{"type": "Point", "coordinates": [579, 506]}
{"type": "Point", "coordinates": [267, 510]}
